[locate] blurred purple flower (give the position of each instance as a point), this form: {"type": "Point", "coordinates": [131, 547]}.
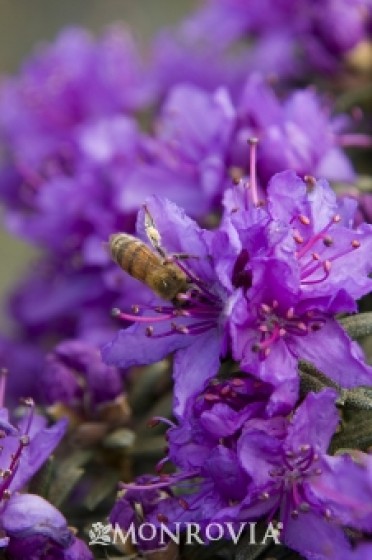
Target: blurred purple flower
{"type": "Point", "coordinates": [30, 525]}
{"type": "Point", "coordinates": [298, 133]}
{"type": "Point", "coordinates": [35, 529]}
{"type": "Point", "coordinates": [278, 38]}
{"type": "Point", "coordinates": [74, 374]}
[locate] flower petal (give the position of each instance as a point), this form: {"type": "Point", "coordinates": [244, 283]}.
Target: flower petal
{"type": "Point", "coordinates": [334, 353]}
{"type": "Point", "coordinates": [193, 367]}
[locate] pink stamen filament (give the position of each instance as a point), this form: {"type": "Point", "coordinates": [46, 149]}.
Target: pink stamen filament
{"type": "Point", "coordinates": [3, 376]}
{"type": "Point", "coordinates": [317, 237]}
{"type": "Point", "coordinates": [253, 170]}
{"type": "Point", "coordinates": [357, 140]}
{"type": "Point", "coordinates": [170, 480]}
{"type": "Point", "coordinates": [143, 319]}
{"type": "Point", "coordinates": [164, 421]}
{"type": "Point", "coordinates": [275, 334]}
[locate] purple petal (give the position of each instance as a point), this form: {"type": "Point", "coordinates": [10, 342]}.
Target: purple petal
{"type": "Point", "coordinates": [28, 514]}
{"type": "Point", "coordinates": [132, 347]}
{"type": "Point", "coordinates": [37, 452]}
{"type": "Point", "coordinates": [315, 537]}
{"type": "Point", "coordinates": [194, 366]}
{"type": "Point", "coordinates": [345, 488]}
{"type": "Point", "coordinates": [332, 351]}
{"type": "Point", "coordinates": [314, 421]}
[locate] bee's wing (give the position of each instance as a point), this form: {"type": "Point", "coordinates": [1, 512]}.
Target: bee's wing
{"type": "Point", "coordinates": [152, 232]}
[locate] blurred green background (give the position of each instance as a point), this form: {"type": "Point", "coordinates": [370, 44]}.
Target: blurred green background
{"type": "Point", "coordinates": [26, 23]}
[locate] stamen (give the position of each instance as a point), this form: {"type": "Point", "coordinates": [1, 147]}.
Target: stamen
{"type": "Point", "coordinates": [3, 378]}
{"type": "Point", "coordinates": [253, 170]}
{"type": "Point", "coordinates": [140, 319]}
{"type": "Point", "coordinates": [355, 140]}
{"type": "Point", "coordinates": [304, 220]}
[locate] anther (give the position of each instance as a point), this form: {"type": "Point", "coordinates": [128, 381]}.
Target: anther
{"type": "Point", "coordinates": [149, 331]}
{"type": "Point", "coordinates": [336, 218]}
{"type": "Point", "coordinates": [28, 401]}
{"type": "Point", "coordinates": [225, 390]}
{"type": "Point", "coordinates": [304, 220]}
{"type": "Point", "coordinates": [290, 313]}
{"type": "Point", "coordinates": [328, 241]}
{"type": "Point", "coordinates": [328, 514]}
{"type": "Point", "coordinates": [135, 309]}
{"type": "Point", "coordinates": [6, 495]}
{"type": "Point", "coordinates": [152, 423]}
{"type": "Point", "coordinates": [183, 503]}
{"type": "Point", "coordinates": [211, 397]}
{"type": "Point", "coordinates": [298, 238]}
{"type": "Point", "coordinates": [236, 174]}
{"type": "Point", "coordinates": [115, 312]}
{"type": "Point", "coordinates": [310, 181]}
{"type": "Point", "coordinates": [237, 382]}
{"type": "Point", "coordinates": [265, 308]}
{"type": "Point", "coordinates": [304, 507]}
{"type": "Point", "coordinates": [182, 329]}
{"type": "Point", "coordinates": [355, 244]}
{"type": "Point", "coordinates": [162, 518]}
{"type": "Point", "coordinates": [24, 440]}
{"type": "Point", "coordinates": [327, 266]}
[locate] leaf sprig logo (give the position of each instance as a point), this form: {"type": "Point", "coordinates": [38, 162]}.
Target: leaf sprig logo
{"type": "Point", "coordinates": [100, 534]}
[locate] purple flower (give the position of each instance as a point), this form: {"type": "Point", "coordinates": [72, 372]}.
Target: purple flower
{"type": "Point", "coordinates": [186, 159]}
{"type": "Point", "coordinates": [25, 448]}
{"type": "Point", "coordinates": [203, 449]}
{"type": "Point", "coordinates": [315, 493]}
{"type": "Point", "coordinates": [297, 133]}
{"type": "Point", "coordinates": [195, 329]}
{"type": "Point", "coordinates": [236, 464]}
{"type": "Point", "coordinates": [34, 529]}
{"type": "Point", "coordinates": [23, 360]}
{"type": "Point", "coordinates": [302, 279]}
{"type": "Point", "coordinates": [267, 40]}
{"type": "Point", "coordinates": [74, 374]}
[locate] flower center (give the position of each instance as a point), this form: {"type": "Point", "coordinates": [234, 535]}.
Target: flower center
{"type": "Point", "coordinates": [289, 481]}
{"type": "Point", "coordinates": [316, 251]}
{"type": "Point", "coordinates": [273, 325]}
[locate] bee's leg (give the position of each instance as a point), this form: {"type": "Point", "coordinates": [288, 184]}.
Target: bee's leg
{"type": "Point", "coordinates": [174, 257]}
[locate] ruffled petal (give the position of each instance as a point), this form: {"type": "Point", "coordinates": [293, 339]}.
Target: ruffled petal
{"type": "Point", "coordinates": [332, 351]}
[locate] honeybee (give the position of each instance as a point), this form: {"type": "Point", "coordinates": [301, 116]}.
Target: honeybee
{"type": "Point", "coordinates": [162, 276]}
